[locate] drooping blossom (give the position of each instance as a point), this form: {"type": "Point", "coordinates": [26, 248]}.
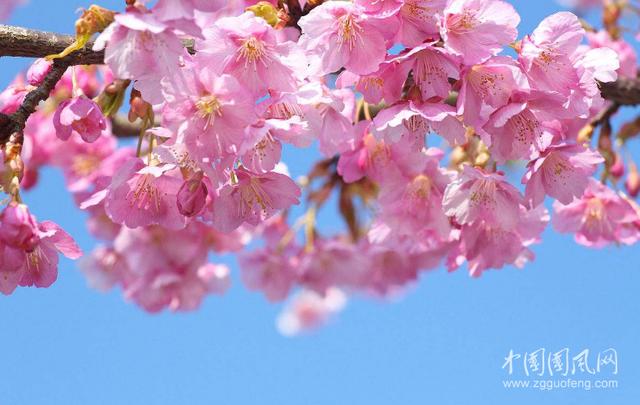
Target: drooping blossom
{"type": "Point", "coordinates": [487, 87]}
{"type": "Point", "coordinates": [598, 218]}
{"type": "Point", "coordinates": [30, 249]}
{"type": "Point", "coordinates": [479, 196]}
{"type": "Point", "coordinates": [142, 195]}
{"type": "Point", "coordinates": [419, 119]}
{"type": "Point", "coordinates": [168, 269]}
{"type": "Point", "coordinates": [272, 269]}
{"type": "Point", "coordinates": [252, 198]}
{"type": "Point", "coordinates": [309, 310]}
{"type": "Point", "coordinates": [487, 246]}
{"type": "Point", "coordinates": [80, 116]}
{"type": "Point", "coordinates": [562, 172]}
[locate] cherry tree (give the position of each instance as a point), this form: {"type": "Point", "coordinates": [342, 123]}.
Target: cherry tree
{"type": "Point", "coordinates": [422, 109]}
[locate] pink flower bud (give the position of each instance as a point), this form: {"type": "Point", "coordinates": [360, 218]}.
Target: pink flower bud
{"type": "Point", "coordinates": [617, 170]}
{"type": "Point", "coordinates": [18, 228]}
{"type": "Point", "coordinates": [192, 196]}
{"type": "Point", "coordinates": [38, 71]}
{"type": "Point", "coordinates": [633, 181]}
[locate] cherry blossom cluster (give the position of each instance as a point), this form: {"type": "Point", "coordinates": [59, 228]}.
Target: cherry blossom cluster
{"type": "Point", "coordinates": [420, 108]}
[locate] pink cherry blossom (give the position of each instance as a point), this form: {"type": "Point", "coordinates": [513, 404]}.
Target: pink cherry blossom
{"type": "Point", "coordinates": [478, 29]}
{"type": "Point", "coordinates": [332, 263]}
{"type": "Point", "coordinates": [80, 116]}
{"type": "Point", "coordinates": [380, 8]}
{"type": "Point", "coordinates": [420, 118]}
{"type": "Point", "coordinates": [252, 198]}
{"type": "Point", "coordinates": [420, 21]}
{"type": "Point", "coordinates": [479, 196]}
{"type": "Point", "coordinates": [487, 87]}
{"type": "Point", "coordinates": [309, 310]}
{"type": "Point", "coordinates": [247, 48]}
{"type": "Point", "coordinates": [168, 269]}
{"type": "Point", "coordinates": [343, 37]}
{"type": "Point", "coordinates": [486, 246]}
{"type": "Point", "coordinates": [30, 249]}
{"type": "Point", "coordinates": [562, 172]}
{"type": "Point", "coordinates": [103, 268]}
{"type": "Point", "coordinates": [626, 54]}
{"type": "Point", "coordinates": [412, 207]}
{"type": "Point", "coordinates": [516, 131]}
{"type": "Point", "coordinates": [212, 112]}
{"type": "Point", "coordinates": [384, 84]}
{"type": "Point", "coordinates": [141, 195]}
{"type": "Point", "coordinates": [432, 68]}
{"type": "Point", "coordinates": [598, 218]}
{"type": "Point", "coordinates": [140, 47]}
{"type": "Point", "coordinates": [271, 270]}
{"type": "Point", "coordinates": [546, 54]}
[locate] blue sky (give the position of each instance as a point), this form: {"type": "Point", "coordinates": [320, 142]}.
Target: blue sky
{"type": "Point", "coordinates": [443, 343]}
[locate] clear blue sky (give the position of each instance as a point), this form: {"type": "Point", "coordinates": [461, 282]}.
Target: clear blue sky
{"type": "Point", "coordinates": [444, 343]}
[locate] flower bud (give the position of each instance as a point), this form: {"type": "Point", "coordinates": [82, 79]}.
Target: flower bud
{"type": "Point", "coordinates": [617, 169]}
{"type": "Point", "coordinates": [192, 196]}
{"type": "Point", "coordinates": [633, 181]}
{"type": "Point", "coordinates": [38, 71]}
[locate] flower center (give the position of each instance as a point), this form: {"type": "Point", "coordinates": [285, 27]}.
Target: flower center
{"type": "Point", "coordinates": [462, 23]}
{"type": "Point", "coordinates": [209, 107]}
{"type": "Point", "coordinates": [253, 51]}
{"type": "Point", "coordinates": [145, 194]}
{"type": "Point", "coordinates": [483, 195]}
{"type": "Point", "coordinates": [84, 165]}
{"type": "Point", "coordinates": [349, 31]}
{"type": "Point", "coordinates": [417, 123]}
{"type": "Point", "coordinates": [594, 213]}
{"type": "Point", "coordinates": [35, 258]}
{"type": "Point", "coordinates": [251, 195]}
{"type": "Point", "coordinates": [420, 188]}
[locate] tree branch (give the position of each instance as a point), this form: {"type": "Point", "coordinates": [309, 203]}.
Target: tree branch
{"type": "Point", "coordinates": [14, 123]}
{"type": "Point", "coordinates": [623, 91]}
{"type": "Point", "coordinates": [23, 42]}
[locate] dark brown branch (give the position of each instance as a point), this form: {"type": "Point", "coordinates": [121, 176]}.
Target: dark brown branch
{"type": "Point", "coordinates": [14, 123]}
{"type": "Point", "coordinates": [623, 91]}
{"type": "Point", "coordinates": [121, 127]}
{"type": "Point", "coordinates": [23, 42]}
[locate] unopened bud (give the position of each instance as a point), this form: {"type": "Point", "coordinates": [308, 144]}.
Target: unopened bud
{"type": "Point", "coordinates": [112, 98]}
{"type": "Point", "coordinates": [633, 181]}
{"type": "Point", "coordinates": [192, 196]}
{"type": "Point", "coordinates": [617, 169]}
